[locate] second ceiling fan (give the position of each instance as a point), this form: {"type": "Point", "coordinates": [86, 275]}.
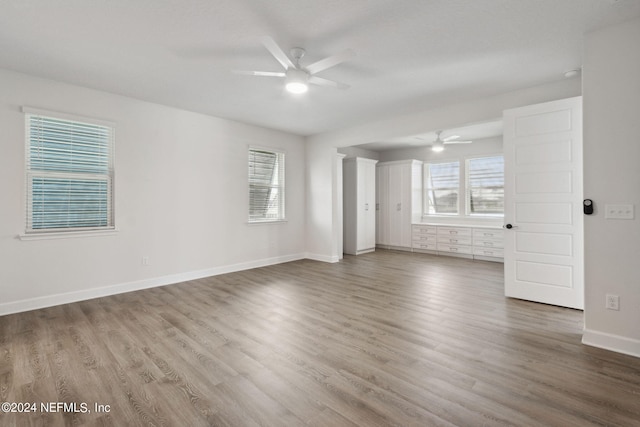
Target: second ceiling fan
{"type": "Point", "coordinates": [438, 144]}
{"type": "Point", "coordinates": [297, 77]}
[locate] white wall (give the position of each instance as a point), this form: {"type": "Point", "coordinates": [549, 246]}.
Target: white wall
{"type": "Point", "coordinates": [181, 199]}
{"type": "Point", "coordinates": [448, 116]}
{"type": "Point", "coordinates": [480, 147]}
{"type": "Point", "coordinates": [611, 91]}
{"type": "Point", "coordinates": [359, 152]}
{"type": "Point", "coordinates": [322, 182]}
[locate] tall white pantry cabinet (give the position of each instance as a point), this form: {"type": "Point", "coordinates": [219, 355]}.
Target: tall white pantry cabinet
{"type": "Point", "coordinates": [359, 178]}
{"type": "Point", "coordinates": [398, 202]}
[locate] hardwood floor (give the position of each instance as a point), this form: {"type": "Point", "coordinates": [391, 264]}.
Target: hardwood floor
{"type": "Point", "coordinates": [382, 339]}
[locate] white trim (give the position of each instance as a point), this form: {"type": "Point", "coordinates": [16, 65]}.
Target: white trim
{"type": "Point", "coordinates": [268, 221]}
{"type": "Point", "coordinates": [110, 177]}
{"type": "Point", "coordinates": [45, 235]}
{"type": "Point", "coordinates": [69, 297]}
{"type": "Point", "coordinates": [67, 116]}
{"type": "Point", "coordinates": [322, 258]}
{"type": "Point", "coordinates": [282, 162]}
{"type": "Point", "coordinates": [611, 342]}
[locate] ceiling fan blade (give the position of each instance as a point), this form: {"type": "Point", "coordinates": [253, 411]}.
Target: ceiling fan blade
{"type": "Point", "coordinates": [277, 53]}
{"type": "Point", "coordinates": [260, 73]}
{"type": "Point", "coordinates": [329, 62]}
{"type": "Point", "coordinates": [450, 138]}
{"type": "Point", "coordinates": [457, 142]}
{"type": "Point", "coordinates": [324, 82]}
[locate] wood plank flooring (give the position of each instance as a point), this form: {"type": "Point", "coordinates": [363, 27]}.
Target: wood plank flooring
{"type": "Point", "coordinates": [382, 339]}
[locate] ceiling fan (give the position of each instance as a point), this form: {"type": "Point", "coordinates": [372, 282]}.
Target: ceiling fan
{"type": "Point", "coordinates": [438, 144]}
{"type": "Point", "coordinates": [297, 77]}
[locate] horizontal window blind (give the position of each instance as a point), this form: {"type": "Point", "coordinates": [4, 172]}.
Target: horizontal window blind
{"type": "Point", "coordinates": [69, 174]}
{"type": "Point", "coordinates": [266, 185]}
{"type": "Point", "coordinates": [442, 184]}
{"type": "Point", "coordinates": [485, 185]}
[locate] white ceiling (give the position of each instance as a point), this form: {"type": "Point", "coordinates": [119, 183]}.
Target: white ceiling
{"type": "Point", "coordinates": [411, 54]}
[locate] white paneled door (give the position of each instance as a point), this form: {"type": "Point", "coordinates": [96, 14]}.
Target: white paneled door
{"type": "Point", "coordinates": [544, 256]}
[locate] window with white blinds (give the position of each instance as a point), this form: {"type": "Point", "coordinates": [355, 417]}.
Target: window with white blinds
{"type": "Point", "coordinates": [69, 174]}
{"type": "Point", "coordinates": [485, 186]}
{"type": "Point", "coordinates": [442, 186]}
{"type": "Point", "coordinates": [266, 185]}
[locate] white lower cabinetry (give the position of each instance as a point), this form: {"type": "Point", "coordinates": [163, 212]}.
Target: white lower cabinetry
{"type": "Point", "coordinates": [488, 242]}
{"type": "Point", "coordinates": [424, 238]}
{"type": "Point", "coordinates": [465, 241]}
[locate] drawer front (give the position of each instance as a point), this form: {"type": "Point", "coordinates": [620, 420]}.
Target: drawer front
{"type": "Point", "coordinates": [443, 247]}
{"type": "Point", "coordinates": [424, 229]}
{"type": "Point", "coordinates": [497, 253]}
{"type": "Point", "coordinates": [488, 243]}
{"type": "Point", "coordinates": [419, 238]}
{"type": "Point", "coordinates": [454, 231]}
{"type": "Point", "coordinates": [425, 246]}
{"type": "Point", "coordinates": [454, 240]}
{"type": "Point", "coordinates": [488, 233]}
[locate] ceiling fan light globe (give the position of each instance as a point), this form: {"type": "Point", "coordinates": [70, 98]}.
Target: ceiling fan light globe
{"type": "Point", "coordinates": [297, 81]}
{"type": "Point", "coordinates": [297, 87]}
{"type": "Point", "coordinates": [437, 148]}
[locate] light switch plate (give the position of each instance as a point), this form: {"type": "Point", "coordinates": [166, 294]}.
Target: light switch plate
{"type": "Point", "coordinates": [618, 211]}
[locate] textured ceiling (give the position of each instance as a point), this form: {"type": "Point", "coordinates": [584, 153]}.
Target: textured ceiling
{"type": "Point", "coordinates": [411, 54]}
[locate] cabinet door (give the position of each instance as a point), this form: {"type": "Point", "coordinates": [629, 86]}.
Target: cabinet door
{"type": "Point", "coordinates": [382, 205]}
{"type": "Point", "coordinates": [370, 213]}
{"type": "Point", "coordinates": [366, 205]}
{"type": "Point", "coordinates": [401, 182]}
{"type": "Point", "coordinates": [407, 204]}
{"type": "Point", "coordinates": [395, 205]}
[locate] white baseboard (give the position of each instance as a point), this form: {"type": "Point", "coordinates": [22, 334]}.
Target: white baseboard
{"type": "Point", "coordinates": [69, 297]}
{"type": "Point", "coordinates": [323, 258]}
{"type": "Point", "coordinates": [611, 342]}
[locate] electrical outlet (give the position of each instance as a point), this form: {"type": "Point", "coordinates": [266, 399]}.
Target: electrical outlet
{"type": "Point", "coordinates": [618, 211]}
{"type": "Point", "coordinates": [613, 302]}
{"type": "Point", "coordinates": [145, 260]}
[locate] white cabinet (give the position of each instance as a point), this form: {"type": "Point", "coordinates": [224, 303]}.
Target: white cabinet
{"type": "Point", "coordinates": [488, 242]}
{"type": "Point", "coordinates": [425, 238]}
{"type": "Point", "coordinates": [359, 178]}
{"type": "Point", "coordinates": [456, 240]}
{"type": "Point", "coordinates": [398, 203]}
{"type": "Point", "coordinates": [478, 242]}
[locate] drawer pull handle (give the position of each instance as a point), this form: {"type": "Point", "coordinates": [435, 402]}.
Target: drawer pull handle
{"type": "Point", "coordinates": [453, 240]}
{"type": "Point", "coordinates": [488, 244]}
{"type": "Point", "coordinates": [454, 249]}
{"type": "Point", "coordinates": [488, 253]}
{"type": "Point", "coordinates": [453, 232]}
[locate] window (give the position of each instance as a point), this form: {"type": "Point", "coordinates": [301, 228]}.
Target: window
{"type": "Point", "coordinates": [485, 186]}
{"type": "Point", "coordinates": [266, 185]}
{"type": "Point", "coordinates": [481, 181]}
{"type": "Point", "coordinates": [69, 167]}
{"type": "Point", "coordinates": [442, 186]}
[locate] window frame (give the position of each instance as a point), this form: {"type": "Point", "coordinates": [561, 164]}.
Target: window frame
{"type": "Point", "coordinates": [281, 186]}
{"type": "Point", "coordinates": [467, 188]}
{"type": "Point", "coordinates": [426, 189]}
{"type": "Point", "coordinates": [464, 211]}
{"type": "Point", "coordinates": [108, 178]}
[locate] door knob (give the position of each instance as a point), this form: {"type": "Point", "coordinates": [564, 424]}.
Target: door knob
{"type": "Point", "coordinates": [508, 226]}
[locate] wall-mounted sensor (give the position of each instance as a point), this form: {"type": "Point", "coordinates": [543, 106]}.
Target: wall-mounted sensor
{"type": "Point", "coordinates": [588, 206]}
